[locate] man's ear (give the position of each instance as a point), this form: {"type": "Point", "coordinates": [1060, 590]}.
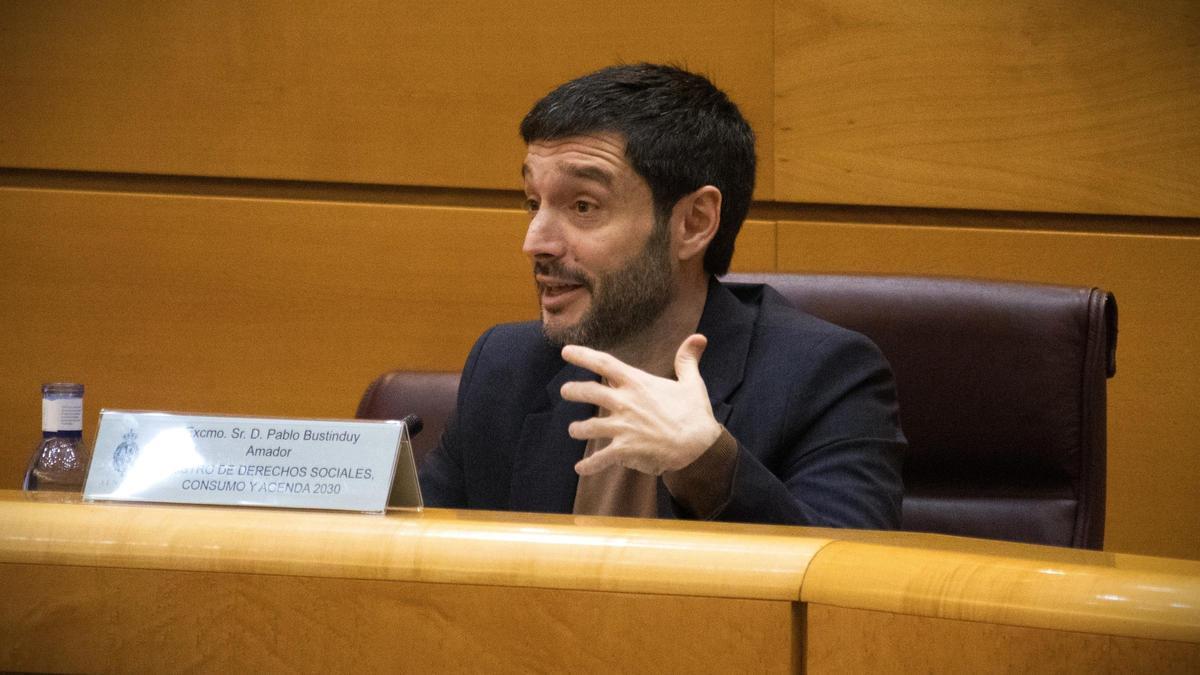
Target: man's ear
{"type": "Point", "coordinates": [696, 217]}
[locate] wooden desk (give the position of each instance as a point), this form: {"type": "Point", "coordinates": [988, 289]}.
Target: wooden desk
{"type": "Point", "coordinates": [108, 587]}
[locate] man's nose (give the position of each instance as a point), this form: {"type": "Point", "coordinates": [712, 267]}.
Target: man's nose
{"type": "Point", "coordinates": [544, 238]}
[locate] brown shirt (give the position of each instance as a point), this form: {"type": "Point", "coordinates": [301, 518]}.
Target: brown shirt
{"type": "Point", "coordinates": [703, 487]}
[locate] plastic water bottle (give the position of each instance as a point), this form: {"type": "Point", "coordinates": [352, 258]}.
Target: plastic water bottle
{"type": "Point", "coordinates": [61, 459]}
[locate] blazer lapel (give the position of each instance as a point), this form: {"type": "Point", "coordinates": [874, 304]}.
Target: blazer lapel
{"type": "Point", "coordinates": [729, 325]}
{"type": "Point", "coordinates": [544, 478]}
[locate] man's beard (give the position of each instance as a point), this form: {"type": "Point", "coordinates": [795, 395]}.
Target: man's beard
{"type": "Point", "coordinates": [629, 299]}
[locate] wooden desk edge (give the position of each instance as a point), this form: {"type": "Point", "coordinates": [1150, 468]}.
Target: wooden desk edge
{"type": "Point", "coordinates": [1134, 596]}
{"type": "Point", "coordinates": [436, 546]}
{"type": "Point", "coordinates": [904, 573]}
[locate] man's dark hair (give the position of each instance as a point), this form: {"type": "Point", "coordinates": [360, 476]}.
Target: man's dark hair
{"type": "Point", "coordinates": [681, 133]}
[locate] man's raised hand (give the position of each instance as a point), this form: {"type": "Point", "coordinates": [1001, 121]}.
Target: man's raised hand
{"type": "Point", "coordinates": [654, 424]}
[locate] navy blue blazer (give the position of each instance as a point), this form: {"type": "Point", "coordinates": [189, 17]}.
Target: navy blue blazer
{"type": "Point", "coordinates": [812, 406]}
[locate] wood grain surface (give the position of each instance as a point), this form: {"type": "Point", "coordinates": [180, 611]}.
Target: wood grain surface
{"type": "Point", "coordinates": [1085, 107]}
{"type": "Point", "coordinates": [113, 588]}
{"type": "Point", "coordinates": [412, 92]}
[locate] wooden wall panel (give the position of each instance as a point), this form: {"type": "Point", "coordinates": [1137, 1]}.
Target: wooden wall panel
{"type": "Point", "coordinates": [276, 306]}
{"type": "Point", "coordinates": [267, 307]}
{"type": "Point", "coordinates": [240, 306]}
{"type": "Point", "coordinates": [1153, 428]}
{"type": "Point", "coordinates": [1072, 106]}
{"type": "Point", "coordinates": [414, 92]}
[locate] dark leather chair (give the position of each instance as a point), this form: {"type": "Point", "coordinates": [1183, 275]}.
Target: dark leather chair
{"type": "Point", "coordinates": [1002, 392]}
{"type": "Point", "coordinates": [398, 393]}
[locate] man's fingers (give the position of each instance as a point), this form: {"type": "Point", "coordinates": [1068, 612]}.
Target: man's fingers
{"type": "Point", "coordinates": [597, 462]}
{"type": "Point", "coordinates": [687, 357]}
{"type": "Point", "coordinates": [591, 392]}
{"type": "Point", "coordinates": [655, 423]}
{"type": "Point", "coordinates": [615, 455]}
{"type": "Point", "coordinates": [605, 365]}
{"type": "Point", "coordinates": [593, 427]}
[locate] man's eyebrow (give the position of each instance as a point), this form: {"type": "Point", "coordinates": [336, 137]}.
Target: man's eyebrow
{"type": "Point", "coordinates": [582, 171]}
{"type": "Point", "coordinates": [592, 173]}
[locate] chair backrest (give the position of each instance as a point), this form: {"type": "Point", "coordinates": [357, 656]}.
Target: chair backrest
{"type": "Point", "coordinates": [1002, 390]}
{"type": "Point", "coordinates": [1002, 387]}
{"type": "Point", "coordinates": [398, 393]}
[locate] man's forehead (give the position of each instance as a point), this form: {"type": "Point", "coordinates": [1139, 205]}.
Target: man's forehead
{"type": "Point", "coordinates": [596, 157]}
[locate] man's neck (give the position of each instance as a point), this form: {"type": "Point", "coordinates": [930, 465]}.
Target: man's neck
{"type": "Point", "coordinates": [653, 350]}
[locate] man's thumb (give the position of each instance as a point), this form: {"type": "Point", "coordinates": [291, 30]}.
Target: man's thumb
{"type": "Point", "coordinates": [687, 358]}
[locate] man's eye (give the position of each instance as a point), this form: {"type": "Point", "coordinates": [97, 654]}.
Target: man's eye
{"type": "Point", "coordinates": [531, 205]}
{"type": "Point", "coordinates": [584, 207]}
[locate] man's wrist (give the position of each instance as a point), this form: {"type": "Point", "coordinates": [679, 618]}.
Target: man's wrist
{"type": "Point", "coordinates": [704, 486]}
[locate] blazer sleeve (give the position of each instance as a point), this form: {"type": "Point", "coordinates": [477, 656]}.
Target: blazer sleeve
{"type": "Point", "coordinates": [836, 459]}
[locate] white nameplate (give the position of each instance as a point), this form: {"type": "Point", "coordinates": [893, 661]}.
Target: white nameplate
{"type": "Point", "coordinates": [251, 461]}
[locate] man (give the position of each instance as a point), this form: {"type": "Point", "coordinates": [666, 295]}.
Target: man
{"type": "Point", "coordinates": [648, 388]}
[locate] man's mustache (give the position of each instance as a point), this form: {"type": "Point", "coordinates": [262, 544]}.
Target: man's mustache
{"type": "Point", "coordinates": [559, 270]}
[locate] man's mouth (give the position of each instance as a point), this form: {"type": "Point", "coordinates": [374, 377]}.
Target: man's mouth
{"type": "Point", "coordinates": [556, 292]}
{"type": "Point", "coordinates": [553, 290]}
